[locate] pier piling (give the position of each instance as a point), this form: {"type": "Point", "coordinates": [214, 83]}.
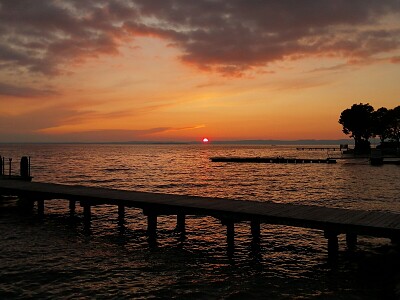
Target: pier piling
{"type": "Point", "coordinates": [255, 230]}
{"type": "Point", "coordinates": [151, 227]}
{"type": "Point", "coordinates": [26, 204]}
{"type": "Point", "coordinates": [351, 241]}
{"type": "Point", "coordinates": [333, 243]}
{"type": "Point", "coordinates": [87, 214]}
{"type": "Point", "coordinates": [121, 213]}
{"type": "Point", "coordinates": [230, 233]}
{"type": "Point", "coordinates": [332, 221]}
{"type": "Point", "coordinates": [180, 223]}
{"type": "Point", "coordinates": [40, 206]}
{"type": "Point", "coordinates": [72, 207]}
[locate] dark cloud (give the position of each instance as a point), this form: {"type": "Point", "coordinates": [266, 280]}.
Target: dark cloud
{"type": "Point", "coordinates": [230, 37]}
{"type": "Point", "coordinates": [24, 92]}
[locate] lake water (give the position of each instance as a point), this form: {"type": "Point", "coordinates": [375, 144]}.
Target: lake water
{"type": "Point", "coordinates": [55, 258]}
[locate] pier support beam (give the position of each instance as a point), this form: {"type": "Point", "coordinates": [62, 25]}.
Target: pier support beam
{"type": "Point", "coordinates": [351, 241]}
{"type": "Point", "coordinates": [40, 206]}
{"type": "Point", "coordinates": [230, 234]}
{"type": "Point", "coordinates": [121, 214]}
{"type": "Point", "coordinates": [180, 223]}
{"type": "Point", "coordinates": [87, 215]}
{"type": "Point", "coordinates": [152, 228]}
{"type": "Point", "coordinates": [395, 241]}
{"type": "Point", "coordinates": [255, 230]}
{"type": "Point", "coordinates": [333, 244]}
{"type": "Point", "coordinates": [255, 242]}
{"type": "Point", "coordinates": [72, 206]}
{"type": "Point", "coordinates": [25, 204]}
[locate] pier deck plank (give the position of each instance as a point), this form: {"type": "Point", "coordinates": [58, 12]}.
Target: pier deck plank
{"type": "Point", "coordinates": [374, 223]}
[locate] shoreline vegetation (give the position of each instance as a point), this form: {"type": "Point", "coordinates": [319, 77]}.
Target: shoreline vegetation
{"type": "Point", "coordinates": [362, 122]}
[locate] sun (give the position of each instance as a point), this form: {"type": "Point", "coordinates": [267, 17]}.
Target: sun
{"type": "Point", "coordinates": [205, 140]}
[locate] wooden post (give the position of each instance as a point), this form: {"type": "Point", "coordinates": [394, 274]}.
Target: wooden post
{"type": "Point", "coordinates": [72, 206]}
{"type": "Point", "coordinates": [395, 240]}
{"type": "Point", "coordinates": [351, 241]}
{"type": "Point", "coordinates": [255, 242]}
{"type": "Point", "coordinates": [333, 244]}
{"type": "Point", "coordinates": [40, 204]}
{"type": "Point", "coordinates": [180, 223]}
{"type": "Point", "coordinates": [230, 234]}
{"type": "Point", "coordinates": [87, 215]}
{"type": "Point", "coordinates": [26, 204]}
{"type": "Point", "coordinates": [255, 230]}
{"type": "Point", "coordinates": [121, 213]}
{"type": "Point", "coordinates": [152, 228]}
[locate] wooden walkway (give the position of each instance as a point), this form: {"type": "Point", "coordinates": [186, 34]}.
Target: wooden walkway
{"type": "Point", "coordinates": [331, 221]}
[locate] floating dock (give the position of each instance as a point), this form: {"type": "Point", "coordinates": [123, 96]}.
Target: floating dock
{"type": "Point", "coordinates": [273, 160]}
{"type": "Point", "coordinates": [318, 149]}
{"type": "Point", "coordinates": [331, 221]}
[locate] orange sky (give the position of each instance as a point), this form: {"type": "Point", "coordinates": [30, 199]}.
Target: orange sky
{"type": "Point", "coordinates": [181, 70]}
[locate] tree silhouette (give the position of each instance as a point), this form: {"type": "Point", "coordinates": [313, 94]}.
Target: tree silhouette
{"type": "Point", "coordinates": [358, 121]}
{"type": "Point", "coordinates": [394, 124]}
{"type": "Point", "coordinates": [381, 127]}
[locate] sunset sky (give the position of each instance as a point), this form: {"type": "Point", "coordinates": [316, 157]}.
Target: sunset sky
{"type": "Point", "coordinates": [164, 70]}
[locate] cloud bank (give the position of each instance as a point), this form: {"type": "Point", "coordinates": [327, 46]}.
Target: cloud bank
{"type": "Point", "coordinates": [230, 37]}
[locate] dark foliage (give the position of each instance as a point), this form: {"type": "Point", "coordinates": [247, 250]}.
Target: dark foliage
{"type": "Point", "coordinates": [362, 122]}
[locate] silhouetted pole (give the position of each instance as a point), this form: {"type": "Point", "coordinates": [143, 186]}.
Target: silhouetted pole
{"type": "Point", "coordinates": [24, 167]}
{"type": "Point", "coordinates": [1, 166]}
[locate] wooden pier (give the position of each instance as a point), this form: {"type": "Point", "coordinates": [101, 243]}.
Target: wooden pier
{"type": "Point", "coordinates": [331, 221]}
{"type": "Point", "coordinates": [273, 160]}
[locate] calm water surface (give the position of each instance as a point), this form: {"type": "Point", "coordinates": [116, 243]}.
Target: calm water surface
{"type": "Point", "coordinates": [55, 258]}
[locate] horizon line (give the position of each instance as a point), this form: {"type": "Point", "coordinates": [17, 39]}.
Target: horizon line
{"type": "Point", "coordinates": [220, 142]}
